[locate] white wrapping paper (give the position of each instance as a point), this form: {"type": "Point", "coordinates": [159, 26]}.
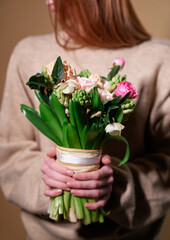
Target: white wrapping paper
{"type": "Point", "coordinates": [79, 160]}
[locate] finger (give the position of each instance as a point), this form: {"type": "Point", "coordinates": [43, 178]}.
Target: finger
{"type": "Point", "coordinates": [99, 204]}
{"type": "Point", "coordinates": [48, 187]}
{"type": "Point", "coordinates": [92, 193]}
{"type": "Point", "coordinates": [103, 172]}
{"type": "Point", "coordinates": [106, 160]}
{"type": "Point", "coordinates": [52, 192]}
{"type": "Point", "coordinates": [51, 152]}
{"type": "Point", "coordinates": [56, 167]}
{"type": "Point", "coordinates": [53, 183]}
{"type": "Point", "coordinates": [90, 184]}
{"type": "Point", "coordinates": [55, 175]}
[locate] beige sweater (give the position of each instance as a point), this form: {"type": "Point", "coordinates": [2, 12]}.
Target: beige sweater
{"type": "Point", "coordinates": [141, 190]}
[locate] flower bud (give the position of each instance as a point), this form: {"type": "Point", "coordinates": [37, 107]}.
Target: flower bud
{"type": "Point", "coordinates": [119, 62]}
{"type": "Point", "coordinates": [82, 97]}
{"type": "Point", "coordinates": [114, 129]}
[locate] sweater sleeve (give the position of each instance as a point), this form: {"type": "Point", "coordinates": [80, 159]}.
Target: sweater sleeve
{"type": "Point", "coordinates": [20, 156]}
{"type": "Point", "coordinates": [141, 191]}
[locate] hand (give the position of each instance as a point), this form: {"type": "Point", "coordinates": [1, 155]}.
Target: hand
{"type": "Point", "coordinates": [54, 175]}
{"type": "Point", "coordinates": [96, 184]}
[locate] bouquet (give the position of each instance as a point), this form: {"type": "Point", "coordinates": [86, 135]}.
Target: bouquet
{"type": "Point", "coordinates": [80, 113]}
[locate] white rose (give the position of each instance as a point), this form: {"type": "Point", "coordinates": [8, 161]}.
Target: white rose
{"type": "Point", "coordinates": [114, 129]}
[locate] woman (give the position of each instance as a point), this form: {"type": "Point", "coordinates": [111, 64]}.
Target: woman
{"type": "Point", "coordinates": [94, 33]}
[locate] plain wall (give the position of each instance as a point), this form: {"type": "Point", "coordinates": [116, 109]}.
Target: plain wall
{"type": "Point", "coordinates": [21, 18]}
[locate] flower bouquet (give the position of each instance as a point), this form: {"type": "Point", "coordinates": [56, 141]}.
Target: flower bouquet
{"type": "Point", "coordinates": [80, 113]}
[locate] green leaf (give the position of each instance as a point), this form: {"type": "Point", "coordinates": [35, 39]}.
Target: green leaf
{"type": "Point", "coordinates": [58, 109]}
{"type": "Point", "coordinates": [112, 73]}
{"type": "Point", "coordinates": [42, 97]}
{"type": "Point", "coordinates": [124, 98]}
{"type": "Point", "coordinates": [65, 140]}
{"type": "Point", "coordinates": [58, 70]}
{"type": "Point", "coordinates": [34, 117]}
{"type": "Point", "coordinates": [110, 138]}
{"type": "Point", "coordinates": [110, 113]}
{"type": "Point", "coordinates": [96, 101]}
{"type": "Point", "coordinates": [71, 113]}
{"type": "Point", "coordinates": [37, 81]}
{"type": "Point", "coordinates": [51, 121]}
{"type": "Point", "coordinates": [76, 119]}
{"type": "Point", "coordinates": [90, 136]}
{"type": "Point", "coordinates": [115, 101]}
{"type": "Point", "coordinates": [72, 137]}
{"type": "Point", "coordinates": [119, 115]}
{"type": "Point", "coordinates": [79, 119]}
{"type": "Point", "coordinates": [83, 135]}
{"type": "Point", "coordinates": [97, 141]}
{"type": "Point", "coordinates": [103, 77]}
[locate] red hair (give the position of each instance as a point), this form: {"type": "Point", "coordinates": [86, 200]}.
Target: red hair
{"type": "Point", "coordinates": [98, 23]}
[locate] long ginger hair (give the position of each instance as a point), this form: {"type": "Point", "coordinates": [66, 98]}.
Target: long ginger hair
{"type": "Point", "coordinates": [98, 23]}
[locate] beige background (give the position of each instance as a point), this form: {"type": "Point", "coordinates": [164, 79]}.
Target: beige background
{"type": "Point", "coordinates": [21, 18]}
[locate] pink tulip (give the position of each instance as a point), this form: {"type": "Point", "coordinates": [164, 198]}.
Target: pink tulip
{"type": "Point", "coordinates": [119, 62]}
{"type": "Point", "coordinates": [124, 87]}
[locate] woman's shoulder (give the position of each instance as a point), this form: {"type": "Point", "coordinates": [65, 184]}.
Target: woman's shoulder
{"type": "Point", "coordinates": [32, 52]}
{"type": "Point", "coordinates": [37, 41]}
{"type": "Point", "coordinates": [35, 46]}
{"type": "Point", "coordinates": [156, 46]}
{"type": "Point", "coordinates": [160, 42]}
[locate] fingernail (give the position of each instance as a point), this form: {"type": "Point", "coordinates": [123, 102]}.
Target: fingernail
{"type": "Point", "coordinates": [59, 191]}
{"type": "Point", "coordinates": [69, 172]}
{"type": "Point", "coordinates": [72, 192]}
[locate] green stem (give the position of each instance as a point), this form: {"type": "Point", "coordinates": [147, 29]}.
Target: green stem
{"type": "Point", "coordinates": [94, 213]}
{"type": "Point", "coordinates": [101, 216]}
{"type": "Point", "coordinates": [78, 207]}
{"type": "Point", "coordinates": [60, 204]}
{"type": "Point", "coordinates": [54, 211]}
{"type": "Point", "coordinates": [66, 198]}
{"type": "Point", "coordinates": [87, 212]}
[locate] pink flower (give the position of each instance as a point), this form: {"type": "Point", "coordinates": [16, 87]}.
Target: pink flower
{"type": "Point", "coordinates": [119, 62]}
{"type": "Point", "coordinates": [124, 87]}
{"type": "Point", "coordinates": [86, 83]}
{"type": "Point", "coordinates": [50, 4]}
{"type": "Point", "coordinates": [105, 95]}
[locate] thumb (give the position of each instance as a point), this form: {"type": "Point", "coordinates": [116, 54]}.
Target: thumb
{"type": "Point", "coordinates": [106, 160]}
{"type": "Point", "coordinates": [51, 152]}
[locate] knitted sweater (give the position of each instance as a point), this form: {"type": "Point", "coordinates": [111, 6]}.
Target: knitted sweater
{"type": "Point", "coordinates": [141, 190]}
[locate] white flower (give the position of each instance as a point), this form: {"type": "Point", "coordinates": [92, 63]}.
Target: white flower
{"type": "Point", "coordinates": [114, 129]}
{"type": "Point", "coordinates": [105, 95]}
{"type": "Point", "coordinates": [99, 81]}
{"type": "Point", "coordinates": [69, 86]}
{"type": "Point", "coordinates": [86, 83]}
